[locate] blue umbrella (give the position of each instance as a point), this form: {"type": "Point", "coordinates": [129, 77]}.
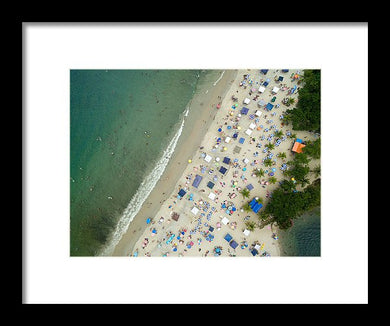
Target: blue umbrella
{"type": "Point", "coordinates": [148, 221]}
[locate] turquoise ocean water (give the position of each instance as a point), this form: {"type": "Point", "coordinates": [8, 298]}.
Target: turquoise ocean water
{"type": "Point", "coordinates": [304, 237]}
{"type": "Point", "coordinates": [120, 123]}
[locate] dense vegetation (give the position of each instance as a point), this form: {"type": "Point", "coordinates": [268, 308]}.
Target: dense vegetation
{"type": "Point", "coordinates": [287, 204]}
{"type": "Point", "coordinates": [306, 114]}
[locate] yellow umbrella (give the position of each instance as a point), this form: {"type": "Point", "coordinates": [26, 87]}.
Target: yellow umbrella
{"type": "Point", "coordinates": [189, 161]}
{"type": "Point", "coordinates": [239, 128]}
{"type": "Point", "coordinates": [225, 148]}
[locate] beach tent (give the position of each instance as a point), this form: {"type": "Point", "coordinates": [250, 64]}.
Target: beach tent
{"type": "Point", "coordinates": [194, 210]}
{"type": "Point", "coordinates": [245, 160]}
{"type": "Point", "coordinates": [299, 140]}
{"type": "Point", "coordinates": [265, 84]}
{"type": "Point", "coordinates": [225, 220]}
{"type": "Point", "coordinates": [233, 244]}
{"type": "Point", "coordinates": [212, 195]}
{"type": "Point", "coordinates": [285, 70]}
{"type": "Point", "coordinates": [261, 89]}
{"type": "Point", "coordinates": [261, 103]}
{"type": "Point", "coordinates": [275, 90]}
{"type": "Point", "coordinates": [182, 192]}
{"type": "Point", "coordinates": [254, 252]}
{"type": "Point", "coordinates": [269, 106]}
{"type": "Point", "coordinates": [246, 232]}
{"type": "Point", "coordinates": [281, 77]}
{"type": "Point", "coordinates": [244, 110]}
{"type": "Point", "coordinates": [227, 139]}
{"type": "Point", "coordinates": [246, 100]}
{"type": "Point", "coordinates": [252, 126]}
{"type": "Point", "coordinates": [297, 148]}
{"type": "Point", "coordinates": [210, 185]}
{"type": "Point", "coordinates": [237, 149]}
{"type": "Point", "coordinates": [258, 113]}
{"type": "Point", "coordinates": [264, 71]}
{"type": "Point", "coordinates": [255, 206]}
{"type": "Point", "coordinates": [248, 132]}
{"type": "Point", "coordinates": [249, 187]}
{"type": "Point", "coordinates": [228, 237]}
{"type": "Point", "coordinates": [208, 158]}
{"type": "Point", "coordinates": [226, 160]}
{"type": "Point", "coordinates": [197, 181]}
{"type": "Point", "coordinates": [222, 170]}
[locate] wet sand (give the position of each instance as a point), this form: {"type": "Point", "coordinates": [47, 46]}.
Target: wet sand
{"type": "Point", "coordinates": [201, 115]}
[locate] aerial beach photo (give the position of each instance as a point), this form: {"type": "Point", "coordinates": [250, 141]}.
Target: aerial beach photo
{"type": "Point", "coordinates": [195, 163]}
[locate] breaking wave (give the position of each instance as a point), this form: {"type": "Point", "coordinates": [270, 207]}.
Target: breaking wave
{"type": "Point", "coordinates": [142, 193]}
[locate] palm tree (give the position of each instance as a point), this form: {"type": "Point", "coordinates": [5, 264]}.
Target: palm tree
{"type": "Point", "coordinates": [245, 193]}
{"type": "Point", "coordinates": [260, 200]}
{"type": "Point", "coordinates": [290, 101]}
{"type": "Point", "coordinates": [282, 155]}
{"type": "Point", "coordinates": [259, 173]}
{"type": "Point", "coordinates": [250, 225]}
{"type": "Point", "coordinates": [268, 162]}
{"type": "Point", "coordinates": [272, 180]}
{"type": "Point", "coordinates": [263, 216]}
{"type": "Point", "coordinates": [270, 146]}
{"type": "Point", "coordinates": [278, 133]}
{"type": "Point", "coordinates": [247, 208]}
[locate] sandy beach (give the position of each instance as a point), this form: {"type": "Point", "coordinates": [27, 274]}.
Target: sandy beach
{"type": "Point", "coordinates": [208, 220]}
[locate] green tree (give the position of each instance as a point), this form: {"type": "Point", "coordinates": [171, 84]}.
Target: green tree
{"type": "Point", "coordinates": [313, 148]}
{"type": "Point", "coordinates": [270, 146]}
{"type": "Point", "coordinates": [278, 134]}
{"type": "Point", "coordinates": [268, 162]}
{"type": "Point", "coordinates": [299, 173]}
{"type": "Point", "coordinates": [245, 193]}
{"type": "Point", "coordinates": [290, 101]}
{"type": "Point", "coordinates": [250, 225]}
{"type": "Point", "coordinates": [260, 200]}
{"type": "Point", "coordinates": [259, 173]}
{"type": "Point", "coordinates": [306, 115]}
{"type": "Point", "coordinates": [301, 159]}
{"type": "Point", "coordinates": [246, 207]}
{"type": "Point", "coordinates": [272, 180]}
{"type": "Point", "coordinates": [282, 155]}
{"type": "Point", "coordinates": [287, 204]}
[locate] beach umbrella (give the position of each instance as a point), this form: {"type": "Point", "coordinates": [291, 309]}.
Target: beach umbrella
{"type": "Point", "coordinates": [189, 161]}
{"type": "Point", "coordinates": [271, 174]}
{"type": "Point", "coordinates": [273, 169]}
{"type": "Point", "coordinates": [147, 220]}
{"type": "Point", "coordinates": [219, 129]}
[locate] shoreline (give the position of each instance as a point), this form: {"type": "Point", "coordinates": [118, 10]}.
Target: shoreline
{"type": "Point", "coordinates": [197, 122]}
{"type": "Point", "coordinates": [160, 237]}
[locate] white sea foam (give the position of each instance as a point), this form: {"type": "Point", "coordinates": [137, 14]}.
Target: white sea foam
{"type": "Point", "coordinates": [220, 77]}
{"type": "Point", "coordinates": [142, 193]}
